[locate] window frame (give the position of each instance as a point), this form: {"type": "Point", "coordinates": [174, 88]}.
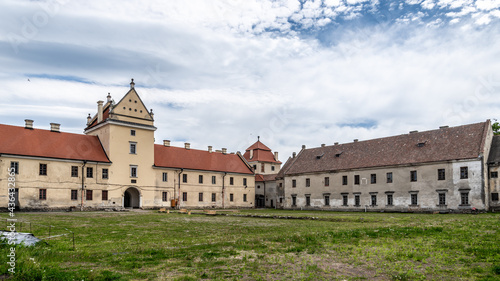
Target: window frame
{"type": "Point", "coordinates": [464, 172]}
{"type": "Point", "coordinates": [105, 173]}
{"type": "Point", "coordinates": [327, 181]}
{"type": "Point", "coordinates": [357, 200]}
{"type": "Point", "coordinates": [89, 194]}
{"type": "Point", "coordinates": [89, 171]}
{"type": "Point", "coordinates": [441, 174]}
{"type": "Point", "coordinates": [15, 165]}
{"type": "Point", "coordinates": [231, 180]}
{"type": "Point", "coordinates": [104, 195]}
{"type": "Point", "coordinates": [344, 180]}
{"type": "Point", "coordinates": [244, 198]}
{"type": "Point", "coordinates": [373, 199]}
{"type": "Point", "coordinates": [389, 177]}
{"type": "Point", "coordinates": [164, 196]}
{"type": "Point", "coordinates": [390, 199]}
{"type": "Point", "coordinates": [493, 174]}
{"type": "Point", "coordinates": [214, 180]}
{"type": "Point", "coordinates": [231, 197]}
{"type": "Point", "coordinates": [308, 200]}
{"type": "Point", "coordinates": [184, 178]}
{"type": "Point", "coordinates": [133, 147]}
{"type": "Point", "coordinates": [134, 171]}
{"type": "Point", "coordinates": [42, 194]}
{"type": "Point", "coordinates": [464, 198]}
{"type": "Point", "coordinates": [356, 179]}
{"type": "Point", "coordinates": [373, 178]}
{"type": "Point", "coordinates": [43, 169]}
{"type": "Point", "coordinates": [164, 177]}
{"type": "Point", "coordinates": [345, 200]}
{"type": "Point", "coordinates": [74, 171]}
{"type": "Point", "coordinates": [308, 182]}
{"type": "Point", "coordinates": [200, 197]}
{"type": "Point", "coordinates": [441, 199]}
{"type": "Point", "coordinates": [327, 199]}
{"type": "Point", "coordinates": [294, 183]}
{"type": "Point", "coordinates": [413, 176]}
{"type": "Point", "coordinates": [200, 179]}
{"type": "Point", "coordinates": [413, 199]}
{"type": "Point", "coordinates": [214, 197]}
{"type": "Point", "coordinates": [74, 194]}
{"type": "Point", "coordinates": [245, 181]}
{"type": "Point", "coordinates": [133, 133]}
{"type": "Point", "coordinates": [184, 197]}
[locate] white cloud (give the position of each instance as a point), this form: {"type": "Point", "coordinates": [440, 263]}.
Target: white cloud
{"type": "Point", "coordinates": [487, 4]}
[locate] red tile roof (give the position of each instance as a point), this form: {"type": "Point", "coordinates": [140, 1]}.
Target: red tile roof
{"type": "Point", "coordinates": [178, 157]}
{"type": "Point", "coordinates": [262, 178]}
{"type": "Point", "coordinates": [105, 116]}
{"type": "Point", "coordinates": [455, 143]}
{"type": "Point", "coordinates": [44, 143]}
{"type": "Point", "coordinates": [261, 153]}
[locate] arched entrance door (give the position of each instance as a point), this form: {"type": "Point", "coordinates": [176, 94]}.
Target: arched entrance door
{"type": "Point", "coordinates": [131, 198]}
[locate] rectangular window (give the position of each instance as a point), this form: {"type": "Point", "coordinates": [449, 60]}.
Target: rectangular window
{"type": "Point", "coordinates": [441, 175]}
{"type": "Point", "coordinates": [213, 197]}
{"type": "Point", "coordinates": [389, 199]}
{"type": "Point", "coordinates": [42, 194]}
{"type": "Point", "coordinates": [244, 198]}
{"type": "Point", "coordinates": [164, 196]}
{"type": "Point", "coordinates": [272, 168]}
{"type": "Point", "coordinates": [133, 148]}
{"type": "Point", "coordinates": [294, 200]}
{"type": "Point", "coordinates": [255, 167]}
{"type": "Point", "coordinates": [494, 175]}
{"type": "Point", "coordinates": [231, 197]}
{"type": "Point", "coordinates": [43, 169]}
{"type": "Point", "coordinates": [132, 132]}
{"type": "Point", "coordinates": [442, 198]}
{"type": "Point", "coordinates": [74, 194]}
{"type": "Point", "coordinates": [165, 177]}
{"type": "Point", "coordinates": [357, 202]}
{"type": "Point", "coordinates": [414, 199]}
{"type": "Point", "coordinates": [104, 195]}
{"type": "Point", "coordinates": [413, 175]}
{"type": "Point", "coordinates": [494, 196]}
{"type": "Point", "coordinates": [373, 178]}
{"type": "Point", "coordinates": [327, 181]}
{"type": "Point", "coordinates": [262, 168]}
{"type": "Point", "coordinates": [200, 179]}
{"type": "Point", "coordinates": [184, 178]}
{"type": "Point", "coordinates": [389, 177]}
{"type": "Point", "coordinates": [15, 165]}
{"type": "Point", "coordinates": [345, 199]}
{"type": "Point", "coordinates": [308, 200]}
{"type": "Point", "coordinates": [213, 180]}
{"type": "Point", "coordinates": [184, 196]}
{"type": "Point", "coordinates": [105, 173]}
{"type": "Point", "coordinates": [344, 180]}
{"type": "Point", "coordinates": [464, 172]}
{"type": "Point", "coordinates": [294, 183]}
{"type": "Point", "coordinates": [374, 200]}
{"type": "Point", "coordinates": [89, 195]}
{"type": "Point", "coordinates": [244, 181]}
{"type": "Point", "coordinates": [308, 182]}
{"type": "Point", "coordinates": [327, 200]}
{"type": "Point", "coordinates": [231, 181]}
{"type": "Point", "coordinates": [74, 171]}
{"type": "Point", "coordinates": [200, 196]}
{"type": "Point", "coordinates": [90, 172]}
{"type": "Point", "coordinates": [464, 198]}
{"type": "Point", "coordinates": [133, 171]}
{"type": "Point", "coordinates": [356, 179]}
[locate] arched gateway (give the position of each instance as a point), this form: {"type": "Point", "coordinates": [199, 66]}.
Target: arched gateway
{"type": "Point", "coordinates": [131, 198]}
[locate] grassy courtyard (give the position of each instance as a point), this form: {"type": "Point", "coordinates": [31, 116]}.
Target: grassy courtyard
{"type": "Point", "coordinates": [336, 246]}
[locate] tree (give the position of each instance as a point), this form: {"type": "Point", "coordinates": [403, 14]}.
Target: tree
{"type": "Point", "coordinates": [496, 127]}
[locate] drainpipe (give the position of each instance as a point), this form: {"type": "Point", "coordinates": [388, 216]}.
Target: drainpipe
{"type": "Point", "coordinates": [83, 183]}
{"type": "Point", "coordinates": [223, 177]}
{"type": "Point", "coordinates": [179, 193]}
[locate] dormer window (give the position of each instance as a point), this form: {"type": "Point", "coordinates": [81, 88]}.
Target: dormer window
{"type": "Point", "coordinates": [319, 156]}
{"type": "Point", "coordinates": [338, 154]}
{"type": "Point", "coordinates": [421, 144]}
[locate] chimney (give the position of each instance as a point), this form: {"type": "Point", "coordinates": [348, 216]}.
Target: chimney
{"type": "Point", "coordinates": [132, 84]}
{"type": "Point", "coordinates": [276, 155]}
{"type": "Point", "coordinates": [323, 145]}
{"type": "Point", "coordinates": [294, 154]}
{"type": "Point", "coordinates": [224, 150]}
{"type": "Point", "coordinates": [99, 111]}
{"type": "Point", "coordinates": [54, 127]}
{"type": "Point", "coordinates": [210, 148]}
{"type": "Point", "coordinates": [251, 153]}
{"type": "Point", "coordinates": [109, 97]}
{"type": "Point", "coordinates": [303, 146]}
{"type": "Point", "coordinates": [166, 142]}
{"type": "Point", "coordinates": [444, 127]}
{"type": "Point", "coordinates": [187, 145]}
{"type": "Point", "coordinates": [355, 140]}
{"type": "Point", "coordinates": [28, 124]}
{"type": "Point", "coordinates": [151, 113]}
{"type": "Point", "coordinates": [89, 118]}
{"type": "Point", "coordinates": [412, 132]}
{"type": "Point", "coordinates": [336, 143]}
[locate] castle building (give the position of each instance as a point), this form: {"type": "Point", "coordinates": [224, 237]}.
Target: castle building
{"type": "Point", "coordinates": [266, 166]}
{"type": "Point", "coordinates": [116, 164]}
{"type": "Point", "coordinates": [451, 168]}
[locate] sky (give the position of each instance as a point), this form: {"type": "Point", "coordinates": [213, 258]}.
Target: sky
{"type": "Point", "coordinates": [222, 73]}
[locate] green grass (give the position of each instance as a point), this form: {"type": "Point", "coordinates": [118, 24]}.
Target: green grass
{"type": "Point", "coordinates": [337, 246]}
